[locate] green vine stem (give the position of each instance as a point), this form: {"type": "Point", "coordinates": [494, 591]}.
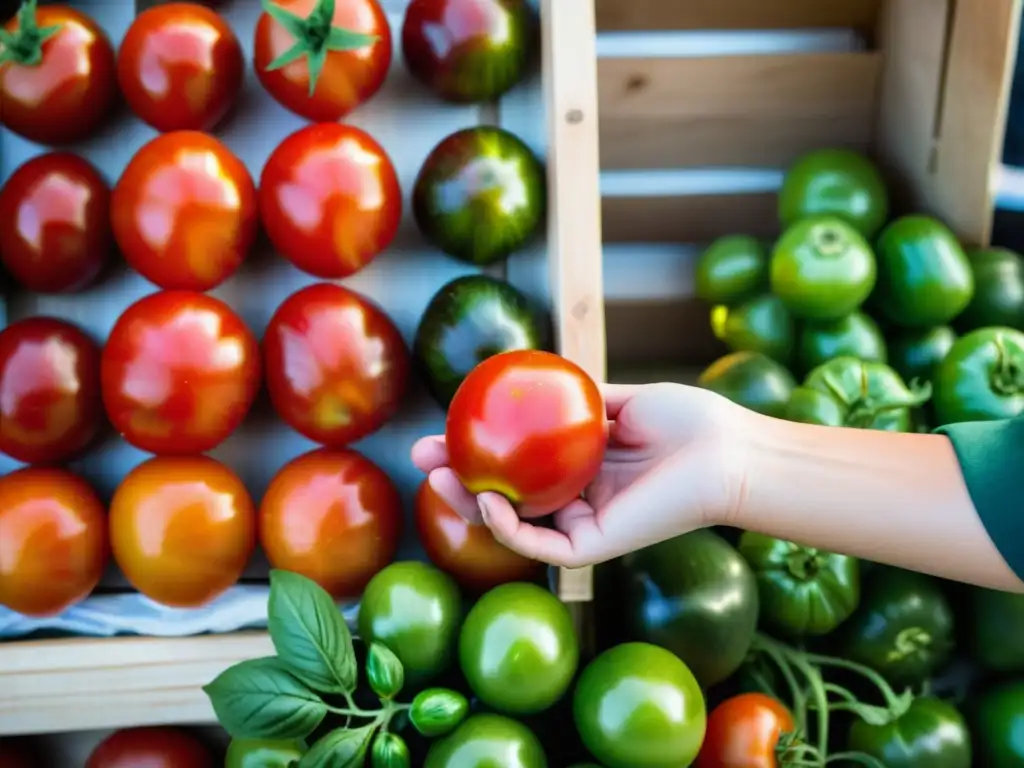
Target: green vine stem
{"type": "Point", "coordinates": [381, 717]}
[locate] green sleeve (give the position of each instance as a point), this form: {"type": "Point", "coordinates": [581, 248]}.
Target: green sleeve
{"type": "Point", "coordinates": [991, 455]}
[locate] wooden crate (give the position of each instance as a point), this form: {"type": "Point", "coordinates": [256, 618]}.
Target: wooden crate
{"type": "Point", "coordinates": [66, 685]}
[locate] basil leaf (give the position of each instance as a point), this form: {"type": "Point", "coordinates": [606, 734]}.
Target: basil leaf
{"type": "Point", "coordinates": [341, 748]}
{"type": "Point", "coordinates": [259, 699]}
{"type": "Point", "coordinates": [310, 634]}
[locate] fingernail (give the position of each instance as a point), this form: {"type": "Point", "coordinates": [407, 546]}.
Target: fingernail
{"type": "Point", "coordinates": [483, 507]}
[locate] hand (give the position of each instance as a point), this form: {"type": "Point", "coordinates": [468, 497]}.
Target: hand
{"type": "Point", "coordinates": [674, 463]}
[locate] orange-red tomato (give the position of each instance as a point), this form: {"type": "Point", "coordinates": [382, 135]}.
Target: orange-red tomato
{"type": "Point", "coordinates": [329, 199]}
{"type": "Point", "coordinates": [150, 748]}
{"type": "Point", "coordinates": [529, 425]}
{"type": "Point", "coordinates": [334, 517]}
{"type": "Point", "coordinates": [184, 211]}
{"type": "Point", "coordinates": [180, 67]}
{"type": "Point", "coordinates": [53, 540]}
{"type": "Point", "coordinates": [743, 732]}
{"type": "Point", "coordinates": [50, 406]}
{"type": "Point", "coordinates": [469, 553]}
{"type": "Point", "coordinates": [55, 223]}
{"type": "Point", "coordinates": [337, 367]}
{"type": "Point", "coordinates": [348, 78]}
{"type": "Point", "coordinates": [179, 372]}
{"type": "Point", "coordinates": [182, 529]}
{"type": "Point", "coordinates": [61, 91]}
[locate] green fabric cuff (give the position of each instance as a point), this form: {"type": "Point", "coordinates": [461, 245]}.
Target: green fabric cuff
{"type": "Point", "coordinates": [991, 455]}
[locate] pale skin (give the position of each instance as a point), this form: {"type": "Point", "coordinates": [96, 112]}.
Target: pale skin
{"type": "Point", "coordinates": [682, 458]}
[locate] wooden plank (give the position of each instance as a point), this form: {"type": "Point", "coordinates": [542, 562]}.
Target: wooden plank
{"type": "Point", "coordinates": [574, 227]}
{"type": "Point", "coordinates": [735, 14]}
{"type": "Point", "coordinates": [674, 332]}
{"type": "Point", "coordinates": [689, 219]}
{"type": "Point", "coordinates": [734, 110]}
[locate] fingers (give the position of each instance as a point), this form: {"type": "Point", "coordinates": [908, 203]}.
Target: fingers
{"type": "Point", "coordinates": [446, 484]}
{"type": "Point", "coordinates": [616, 396]}
{"type": "Point", "coordinates": [430, 453]}
{"type": "Point", "coordinates": [555, 547]}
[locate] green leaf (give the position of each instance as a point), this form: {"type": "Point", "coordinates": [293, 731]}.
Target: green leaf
{"type": "Point", "coordinates": [294, 53]}
{"type": "Point", "coordinates": [296, 25]}
{"type": "Point", "coordinates": [341, 748]}
{"type": "Point", "coordinates": [315, 63]}
{"type": "Point", "coordinates": [384, 671]}
{"type": "Point", "coordinates": [390, 751]}
{"type": "Point", "coordinates": [321, 17]}
{"type": "Point", "coordinates": [339, 39]}
{"type": "Point", "coordinates": [259, 699]}
{"type": "Point", "coordinates": [309, 633]}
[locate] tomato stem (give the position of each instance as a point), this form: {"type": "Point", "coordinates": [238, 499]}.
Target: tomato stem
{"type": "Point", "coordinates": [828, 240]}
{"type": "Point", "coordinates": [804, 563]}
{"type": "Point", "coordinates": [25, 45]}
{"type": "Point", "coordinates": [1007, 378]}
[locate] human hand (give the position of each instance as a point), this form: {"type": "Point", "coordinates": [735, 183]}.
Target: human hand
{"type": "Point", "coordinates": [674, 463]}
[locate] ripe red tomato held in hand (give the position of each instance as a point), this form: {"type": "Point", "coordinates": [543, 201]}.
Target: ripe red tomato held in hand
{"type": "Point", "coordinates": [179, 373]}
{"type": "Point", "coordinates": [53, 529]}
{"type": "Point", "coordinates": [184, 211]}
{"type": "Point", "coordinates": [180, 67]}
{"type": "Point", "coordinates": [55, 223]}
{"type": "Point", "coordinates": [329, 199]}
{"type": "Point", "coordinates": [529, 425]}
{"type": "Point", "coordinates": [744, 732]}
{"type": "Point", "coordinates": [182, 529]}
{"type": "Point", "coordinates": [334, 517]}
{"type": "Point", "coordinates": [150, 748]}
{"type": "Point", "coordinates": [50, 406]}
{"type": "Point", "coordinates": [337, 367]}
{"type": "Point", "coordinates": [57, 81]}
{"type": "Point", "coordinates": [469, 553]}
{"type": "Point", "coordinates": [320, 58]}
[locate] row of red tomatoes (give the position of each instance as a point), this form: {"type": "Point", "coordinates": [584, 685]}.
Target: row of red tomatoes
{"type": "Point", "coordinates": [183, 529]}
{"type": "Point", "coordinates": [180, 371]}
{"type": "Point", "coordinates": [180, 65]}
{"type": "Point", "coordinates": [155, 747]}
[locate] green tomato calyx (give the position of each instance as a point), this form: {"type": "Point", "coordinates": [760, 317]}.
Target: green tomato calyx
{"type": "Point", "coordinates": [1007, 377]}
{"type": "Point", "coordinates": [25, 46]}
{"type": "Point", "coordinates": [805, 563]}
{"type": "Point", "coordinates": [828, 239]}
{"type": "Point", "coordinates": [910, 642]}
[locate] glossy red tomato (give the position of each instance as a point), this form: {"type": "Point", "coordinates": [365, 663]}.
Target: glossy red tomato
{"type": "Point", "coordinates": [334, 517]}
{"type": "Point", "coordinates": [50, 406]}
{"type": "Point", "coordinates": [53, 540]}
{"type": "Point", "coordinates": [329, 199]}
{"type": "Point", "coordinates": [184, 211]}
{"type": "Point", "coordinates": [337, 367]}
{"type": "Point", "coordinates": [529, 425]}
{"type": "Point", "coordinates": [469, 553]}
{"type": "Point", "coordinates": [180, 67]}
{"type": "Point", "coordinates": [150, 748]}
{"type": "Point", "coordinates": [55, 223]}
{"type": "Point", "coordinates": [179, 372]}
{"type": "Point", "coordinates": [182, 529]}
{"type": "Point", "coordinates": [743, 732]}
{"type": "Point", "coordinates": [58, 88]}
{"type": "Point", "coordinates": [353, 43]}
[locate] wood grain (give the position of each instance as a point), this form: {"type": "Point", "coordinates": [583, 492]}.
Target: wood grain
{"type": "Point", "coordinates": [736, 14]}
{"type": "Point", "coordinates": [687, 219]}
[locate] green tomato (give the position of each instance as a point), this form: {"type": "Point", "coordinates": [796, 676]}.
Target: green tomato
{"type": "Point", "coordinates": [924, 277]}
{"type": "Point", "coordinates": [389, 750]}
{"type": "Point", "coordinates": [856, 335]}
{"type": "Point", "coordinates": [518, 649]}
{"type": "Point", "coordinates": [997, 725]}
{"type": "Point", "coordinates": [996, 630]}
{"type": "Point", "coordinates": [752, 380]}
{"type": "Point", "coordinates": [762, 324]}
{"type": "Point", "coordinates": [822, 269]}
{"type": "Point", "coordinates": [488, 741]}
{"type": "Point", "coordinates": [982, 377]}
{"type": "Point", "coordinates": [638, 706]}
{"type": "Point", "coordinates": [836, 182]}
{"type": "Point", "coordinates": [263, 753]}
{"type": "Point", "coordinates": [931, 734]}
{"type": "Point", "coordinates": [437, 711]}
{"type": "Point", "coordinates": [917, 354]}
{"type": "Point", "coordinates": [902, 629]}
{"type": "Point", "coordinates": [695, 596]}
{"type": "Point", "coordinates": [998, 290]}
{"type": "Point", "coordinates": [804, 592]}
{"type": "Point", "coordinates": [414, 610]}
{"type": "Point", "coordinates": [809, 406]}
{"type": "Point", "coordinates": [731, 270]}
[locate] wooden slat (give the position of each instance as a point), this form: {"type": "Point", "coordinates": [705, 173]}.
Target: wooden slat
{"type": "Point", "coordinates": [676, 332]}
{"type": "Point", "coordinates": [689, 219]}
{"type": "Point", "coordinates": [735, 14]}
{"type": "Point", "coordinates": [734, 110]}
{"type": "Point", "coordinates": [574, 225]}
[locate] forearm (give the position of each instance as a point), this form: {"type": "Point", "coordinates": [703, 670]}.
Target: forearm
{"type": "Point", "coordinates": [898, 499]}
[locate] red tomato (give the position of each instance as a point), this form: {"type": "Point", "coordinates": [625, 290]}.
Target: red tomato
{"type": "Point", "coordinates": [330, 200]}
{"type": "Point", "coordinates": [334, 517]}
{"type": "Point", "coordinates": [55, 223]}
{"type": "Point", "coordinates": [337, 367]}
{"type": "Point", "coordinates": [180, 67]}
{"type": "Point", "coordinates": [150, 748]}
{"type": "Point", "coordinates": [179, 373]}
{"type": "Point", "coordinates": [50, 406]}
{"type": "Point", "coordinates": [62, 90]}
{"type": "Point", "coordinates": [529, 425]}
{"type": "Point", "coordinates": [182, 529]}
{"type": "Point", "coordinates": [743, 732]}
{"type": "Point", "coordinates": [53, 540]}
{"type": "Point", "coordinates": [469, 553]}
{"type": "Point", "coordinates": [354, 63]}
{"type": "Point", "coordinates": [184, 211]}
